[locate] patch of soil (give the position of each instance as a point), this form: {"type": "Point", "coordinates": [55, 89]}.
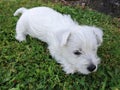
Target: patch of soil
{"type": "Point", "coordinates": [110, 7]}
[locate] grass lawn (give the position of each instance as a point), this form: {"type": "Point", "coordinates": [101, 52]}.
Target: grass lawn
{"type": "Point", "coordinates": [29, 66]}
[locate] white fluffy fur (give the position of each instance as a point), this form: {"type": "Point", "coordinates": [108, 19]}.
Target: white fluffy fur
{"type": "Point", "coordinates": [63, 36]}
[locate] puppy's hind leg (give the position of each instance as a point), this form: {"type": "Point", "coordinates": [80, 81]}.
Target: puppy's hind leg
{"type": "Point", "coordinates": [20, 31]}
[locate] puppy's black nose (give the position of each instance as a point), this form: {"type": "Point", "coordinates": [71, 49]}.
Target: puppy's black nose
{"type": "Point", "coordinates": [91, 67]}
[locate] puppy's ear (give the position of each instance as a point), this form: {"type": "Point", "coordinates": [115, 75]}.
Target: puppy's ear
{"type": "Point", "coordinates": [99, 35]}
{"type": "Point", "coordinates": [65, 37]}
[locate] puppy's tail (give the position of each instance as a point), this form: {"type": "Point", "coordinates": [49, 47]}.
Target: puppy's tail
{"type": "Point", "coordinates": [20, 11]}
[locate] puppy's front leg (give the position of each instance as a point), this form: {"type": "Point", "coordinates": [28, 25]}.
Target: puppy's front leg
{"type": "Point", "coordinates": [68, 68]}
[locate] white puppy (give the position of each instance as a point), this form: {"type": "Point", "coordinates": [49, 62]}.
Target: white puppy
{"type": "Point", "coordinates": [72, 45]}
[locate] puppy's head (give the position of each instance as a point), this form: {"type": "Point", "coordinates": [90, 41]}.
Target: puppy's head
{"type": "Point", "coordinates": [79, 48]}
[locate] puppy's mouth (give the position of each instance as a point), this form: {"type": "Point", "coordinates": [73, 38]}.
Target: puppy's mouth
{"type": "Point", "coordinates": [90, 69]}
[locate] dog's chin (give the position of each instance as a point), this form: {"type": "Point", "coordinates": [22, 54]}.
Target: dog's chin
{"type": "Point", "coordinates": [84, 73]}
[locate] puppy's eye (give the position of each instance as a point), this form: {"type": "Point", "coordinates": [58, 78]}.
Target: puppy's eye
{"type": "Point", "coordinates": [77, 52]}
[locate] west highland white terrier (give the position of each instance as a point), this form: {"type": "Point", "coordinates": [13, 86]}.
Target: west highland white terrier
{"type": "Point", "coordinates": [74, 46]}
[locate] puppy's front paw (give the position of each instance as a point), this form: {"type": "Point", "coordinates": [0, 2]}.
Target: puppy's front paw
{"type": "Point", "coordinates": [20, 38]}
